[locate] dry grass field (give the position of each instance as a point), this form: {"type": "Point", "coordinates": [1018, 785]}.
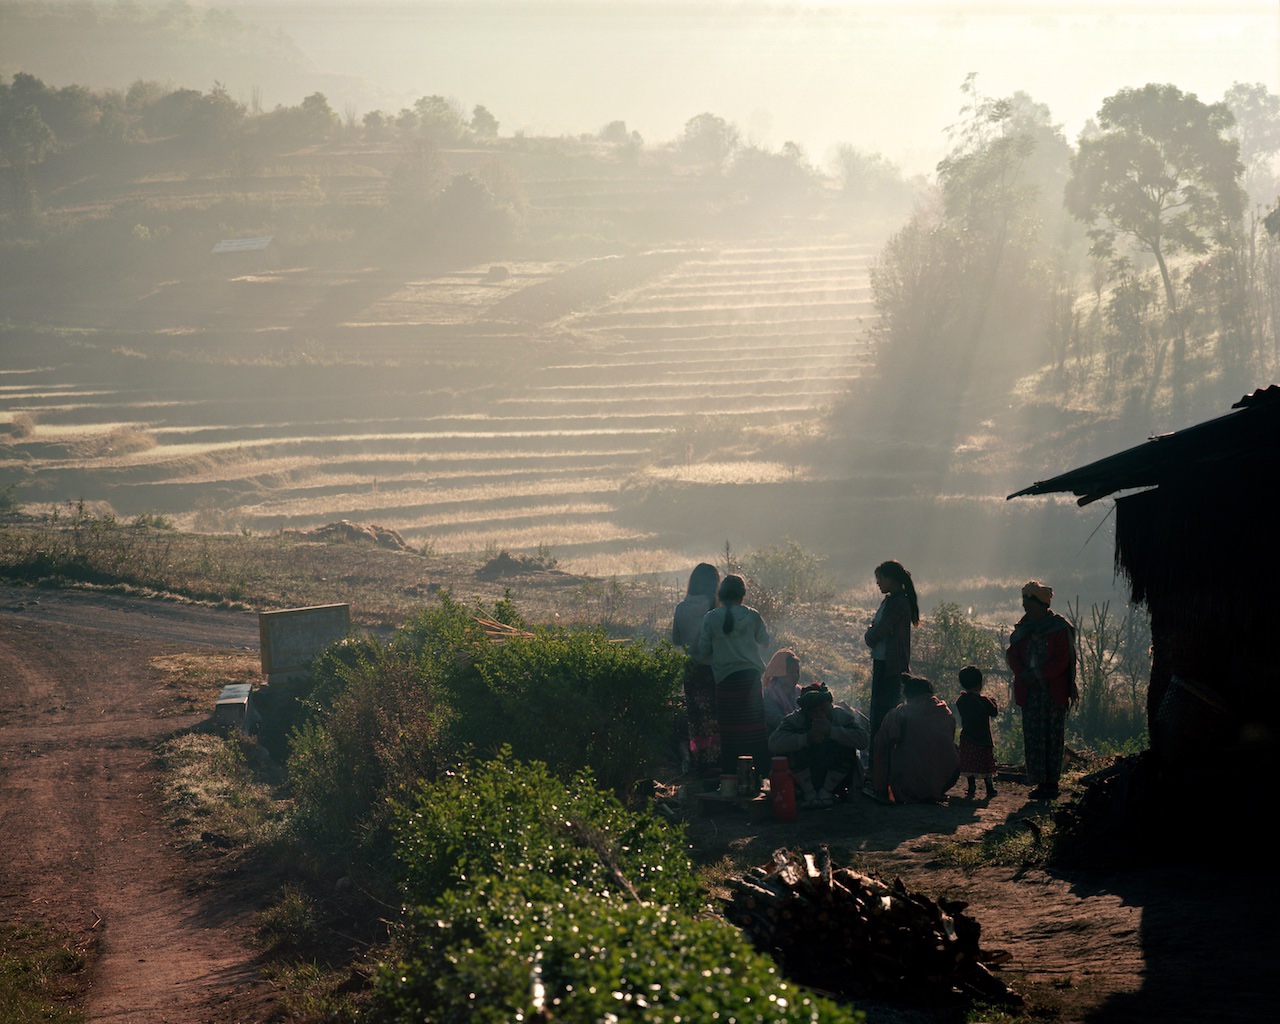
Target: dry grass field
{"type": "Point", "coordinates": [465, 414]}
{"type": "Point", "coordinates": [642, 380]}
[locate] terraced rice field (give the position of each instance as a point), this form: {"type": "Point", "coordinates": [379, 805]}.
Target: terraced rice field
{"type": "Point", "coordinates": [469, 411]}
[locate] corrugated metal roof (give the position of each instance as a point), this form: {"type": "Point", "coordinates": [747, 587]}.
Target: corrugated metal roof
{"type": "Point", "coordinates": [1249, 434]}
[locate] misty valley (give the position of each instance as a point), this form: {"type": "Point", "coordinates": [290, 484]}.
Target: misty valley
{"type": "Point", "coordinates": [500, 390]}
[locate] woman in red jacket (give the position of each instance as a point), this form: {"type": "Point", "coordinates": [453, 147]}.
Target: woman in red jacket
{"type": "Point", "coordinates": [1042, 655]}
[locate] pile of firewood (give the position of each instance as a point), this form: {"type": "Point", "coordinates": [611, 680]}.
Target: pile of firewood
{"type": "Point", "coordinates": [853, 936]}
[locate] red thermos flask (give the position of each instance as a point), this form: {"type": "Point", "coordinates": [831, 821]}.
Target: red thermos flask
{"type": "Point", "coordinates": [782, 790]}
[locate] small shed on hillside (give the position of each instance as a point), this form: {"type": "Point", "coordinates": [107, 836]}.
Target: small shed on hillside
{"type": "Point", "coordinates": [1199, 544]}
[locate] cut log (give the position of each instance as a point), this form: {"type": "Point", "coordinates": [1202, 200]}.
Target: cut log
{"type": "Point", "coordinates": [835, 929]}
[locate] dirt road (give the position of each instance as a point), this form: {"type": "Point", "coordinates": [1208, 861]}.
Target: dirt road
{"type": "Point", "coordinates": [81, 844]}
{"type": "Point", "coordinates": [1174, 945]}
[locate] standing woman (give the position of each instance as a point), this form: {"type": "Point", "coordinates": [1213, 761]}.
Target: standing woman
{"type": "Point", "coordinates": [889, 638]}
{"type": "Point", "coordinates": [1042, 655]}
{"type": "Point", "coordinates": [699, 684]}
{"type": "Point", "coordinates": [731, 637]}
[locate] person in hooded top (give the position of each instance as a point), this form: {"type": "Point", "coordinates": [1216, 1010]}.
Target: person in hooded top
{"type": "Point", "coordinates": [914, 754]}
{"type": "Point", "coordinates": [780, 685]}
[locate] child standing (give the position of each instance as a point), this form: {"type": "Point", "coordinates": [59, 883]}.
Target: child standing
{"type": "Point", "coordinates": [977, 751]}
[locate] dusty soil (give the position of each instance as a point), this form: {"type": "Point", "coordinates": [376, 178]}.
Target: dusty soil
{"type": "Point", "coordinates": [81, 841]}
{"type": "Point", "coordinates": [1161, 944]}
{"type": "Point", "coordinates": [83, 847]}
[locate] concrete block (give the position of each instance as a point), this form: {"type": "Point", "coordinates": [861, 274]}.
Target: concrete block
{"type": "Point", "coordinates": [291, 638]}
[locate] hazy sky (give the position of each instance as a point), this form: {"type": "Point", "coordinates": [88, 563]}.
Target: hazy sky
{"type": "Point", "coordinates": [880, 75]}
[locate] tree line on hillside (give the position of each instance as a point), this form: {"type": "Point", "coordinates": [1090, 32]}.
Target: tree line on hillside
{"type": "Point", "coordinates": [40, 123]}
{"type": "Point", "coordinates": [1132, 264]}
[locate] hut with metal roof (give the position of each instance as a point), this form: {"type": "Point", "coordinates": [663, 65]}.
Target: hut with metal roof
{"type": "Point", "coordinates": [1198, 540]}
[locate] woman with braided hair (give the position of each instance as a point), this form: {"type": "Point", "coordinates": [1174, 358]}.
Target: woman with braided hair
{"type": "Point", "coordinates": [889, 637]}
{"type": "Point", "coordinates": [732, 636]}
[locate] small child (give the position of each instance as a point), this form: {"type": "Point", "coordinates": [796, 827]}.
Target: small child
{"type": "Point", "coordinates": [977, 751]}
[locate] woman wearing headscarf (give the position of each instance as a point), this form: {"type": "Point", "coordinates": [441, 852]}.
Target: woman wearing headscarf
{"type": "Point", "coordinates": [1042, 655]}
{"type": "Point", "coordinates": [779, 686]}
{"type": "Point", "coordinates": [889, 637]}
{"type": "Point", "coordinates": [732, 636]}
{"type": "Point", "coordinates": [699, 683]}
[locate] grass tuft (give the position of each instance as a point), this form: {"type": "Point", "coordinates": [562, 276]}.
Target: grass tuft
{"type": "Point", "coordinates": [1028, 842]}
{"type": "Point", "coordinates": [211, 789]}
{"type": "Point", "coordinates": [43, 976]}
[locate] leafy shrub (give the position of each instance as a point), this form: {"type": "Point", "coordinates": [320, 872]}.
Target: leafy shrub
{"type": "Point", "coordinates": [512, 875]}
{"type": "Point", "coordinates": [572, 699]}
{"type": "Point", "coordinates": [950, 640]}
{"type": "Point", "coordinates": [441, 639]}
{"type": "Point", "coordinates": [496, 953]}
{"type": "Point", "coordinates": [792, 575]}
{"type": "Point", "coordinates": [383, 731]}
{"type": "Point", "coordinates": [379, 720]}
{"type": "Point", "coordinates": [508, 819]}
{"type": "Point", "coordinates": [339, 665]}
{"type": "Point", "coordinates": [374, 721]}
{"type": "Point", "coordinates": [779, 577]}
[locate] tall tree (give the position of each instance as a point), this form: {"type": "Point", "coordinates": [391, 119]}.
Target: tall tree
{"type": "Point", "coordinates": [961, 292]}
{"type": "Point", "coordinates": [1163, 172]}
{"type": "Point", "coordinates": [440, 118]}
{"type": "Point", "coordinates": [1257, 112]}
{"type": "Point", "coordinates": [1005, 152]}
{"type": "Point", "coordinates": [484, 123]}
{"type": "Point", "coordinates": [24, 141]}
{"type": "Point", "coordinates": [709, 139]}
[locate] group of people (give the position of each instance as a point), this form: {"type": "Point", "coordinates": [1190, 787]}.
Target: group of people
{"type": "Point", "coordinates": [738, 705]}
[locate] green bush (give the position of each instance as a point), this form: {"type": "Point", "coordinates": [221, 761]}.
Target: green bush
{"type": "Point", "coordinates": [508, 819]}
{"type": "Point", "coordinates": [790, 574]}
{"type": "Point", "coordinates": [516, 880]}
{"type": "Point", "coordinates": [339, 666]}
{"type": "Point", "coordinates": [373, 722]}
{"type": "Point", "coordinates": [445, 639]}
{"type": "Point", "coordinates": [572, 699]}
{"type": "Point", "coordinates": [948, 641]}
{"type": "Point", "coordinates": [380, 733]}
{"type": "Point", "coordinates": [380, 720]}
{"type": "Point", "coordinates": [488, 952]}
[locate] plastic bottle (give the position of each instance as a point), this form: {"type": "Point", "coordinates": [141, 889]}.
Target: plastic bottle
{"type": "Point", "coordinates": [782, 790]}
